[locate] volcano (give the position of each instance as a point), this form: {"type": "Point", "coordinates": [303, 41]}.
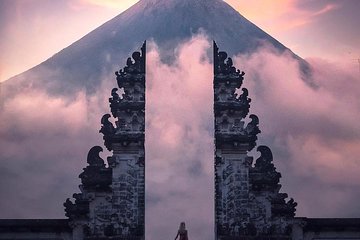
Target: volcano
{"type": "Point", "coordinates": [167, 22]}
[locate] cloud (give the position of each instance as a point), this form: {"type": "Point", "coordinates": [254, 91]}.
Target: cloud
{"type": "Point", "coordinates": [44, 140]}
{"type": "Point", "coordinates": [315, 128]}
{"type": "Point", "coordinates": [179, 142]}
{"type": "Point", "coordinates": [313, 133]}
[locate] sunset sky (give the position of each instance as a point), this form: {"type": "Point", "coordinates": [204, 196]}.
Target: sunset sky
{"type": "Point", "coordinates": [34, 30]}
{"type": "Point", "coordinates": [312, 126]}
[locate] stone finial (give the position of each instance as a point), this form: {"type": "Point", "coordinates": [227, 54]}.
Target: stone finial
{"type": "Point", "coordinates": [107, 127]}
{"type": "Point", "coordinates": [96, 177]}
{"type": "Point", "coordinates": [134, 65]}
{"type": "Point", "coordinates": [93, 158]}
{"type": "Point", "coordinates": [263, 176]}
{"type": "Point", "coordinates": [224, 64]}
{"type": "Point", "coordinates": [252, 128]}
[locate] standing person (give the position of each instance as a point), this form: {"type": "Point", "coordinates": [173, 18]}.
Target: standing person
{"type": "Point", "coordinates": [182, 232]}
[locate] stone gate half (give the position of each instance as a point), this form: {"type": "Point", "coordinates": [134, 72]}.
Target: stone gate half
{"type": "Point", "coordinates": [111, 204]}
{"type": "Point", "coordinates": [248, 203]}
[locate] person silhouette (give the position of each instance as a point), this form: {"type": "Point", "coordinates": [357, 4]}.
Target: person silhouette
{"type": "Point", "coordinates": [182, 232]}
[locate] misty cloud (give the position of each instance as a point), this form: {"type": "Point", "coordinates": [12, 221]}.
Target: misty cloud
{"type": "Point", "coordinates": [179, 145]}
{"type": "Point", "coordinates": [44, 140]}
{"type": "Point", "coordinates": [313, 132]}
{"type": "Point", "coordinates": [316, 128]}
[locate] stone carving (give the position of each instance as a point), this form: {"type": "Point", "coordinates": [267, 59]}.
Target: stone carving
{"type": "Point", "coordinates": [107, 127]}
{"type": "Point", "coordinates": [93, 158]}
{"type": "Point", "coordinates": [114, 100]}
{"type": "Point", "coordinates": [78, 210]}
{"type": "Point", "coordinates": [247, 198]}
{"type": "Point", "coordinates": [96, 176]}
{"type": "Point", "coordinates": [230, 109]}
{"type": "Point", "coordinates": [136, 65]}
{"type": "Point", "coordinates": [129, 108]}
{"type": "Point", "coordinates": [252, 128]}
{"type": "Point", "coordinates": [243, 98]}
{"type": "Point", "coordinates": [224, 64]}
{"type": "Point", "coordinates": [281, 208]}
{"type": "Point", "coordinates": [264, 175]}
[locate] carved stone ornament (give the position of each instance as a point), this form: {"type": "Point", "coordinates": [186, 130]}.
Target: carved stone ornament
{"type": "Point", "coordinates": [128, 108]}
{"type": "Point", "coordinates": [231, 107]}
{"type": "Point", "coordinates": [96, 176]}
{"type": "Point", "coordinates": [263, 176]}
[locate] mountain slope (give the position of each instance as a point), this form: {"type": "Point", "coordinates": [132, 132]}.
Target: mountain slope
{"type": "Point", "coordinates": [85, 62]}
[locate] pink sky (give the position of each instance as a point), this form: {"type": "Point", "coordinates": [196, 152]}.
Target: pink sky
{"type": "Point", "coordinates": [33, 31]}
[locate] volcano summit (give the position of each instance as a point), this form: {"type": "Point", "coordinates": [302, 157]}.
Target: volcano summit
{"type": "Point", "coordinates": [167, 22]}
